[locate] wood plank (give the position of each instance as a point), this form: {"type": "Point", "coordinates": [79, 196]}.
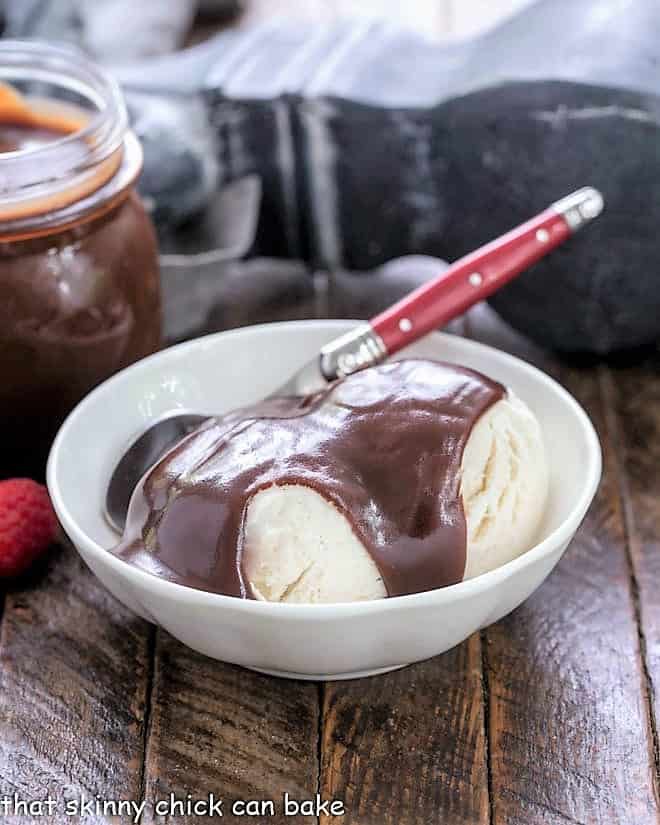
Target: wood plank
{"type": "Point", "coordinates": [569, 738]}
{"type": "Point", "coordinates": [408, 748]}
{"type": "Point", "coordinates": [74, 672]}
{"type": "Point", "coordinates": [634, 393]}
{"type": "Point", "coordinates": [216, 728]}
{"type": "Point", "coordinates": [220, 729]}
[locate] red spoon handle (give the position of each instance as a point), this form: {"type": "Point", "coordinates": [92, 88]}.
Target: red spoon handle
{"type": "Point", "coordinates": [469, 280]}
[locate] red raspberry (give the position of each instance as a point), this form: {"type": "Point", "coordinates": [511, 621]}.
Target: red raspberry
{"type": "Point", "coordinates": [27, 524]}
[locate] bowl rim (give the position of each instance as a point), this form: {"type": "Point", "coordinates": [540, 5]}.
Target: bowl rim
{"type": "Point", "coordinates": [561, 535]}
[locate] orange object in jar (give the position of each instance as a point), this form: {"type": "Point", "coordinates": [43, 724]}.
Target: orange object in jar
{"type": "Point", "coordinates": [79, 280]}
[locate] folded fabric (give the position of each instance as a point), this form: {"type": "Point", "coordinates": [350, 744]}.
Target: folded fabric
{"type": "Point", "coordinates": [153, 26]}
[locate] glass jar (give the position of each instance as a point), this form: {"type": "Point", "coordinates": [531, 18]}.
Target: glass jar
{"type": "Point", "coordinates": [79, 282]}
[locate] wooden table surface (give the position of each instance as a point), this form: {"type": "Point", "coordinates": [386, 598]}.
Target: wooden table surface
{"type": "Point", "coordinates": [546, 717]}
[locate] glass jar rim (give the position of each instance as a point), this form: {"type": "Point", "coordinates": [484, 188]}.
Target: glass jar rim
{"type": "Point", "coordinates": [35, 174]}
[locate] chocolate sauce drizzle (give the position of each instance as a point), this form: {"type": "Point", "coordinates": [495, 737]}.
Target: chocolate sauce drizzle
{"type": "Point", "coordinates": [383, 445]}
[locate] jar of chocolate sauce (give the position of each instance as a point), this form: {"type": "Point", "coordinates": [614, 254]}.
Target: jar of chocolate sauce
{"type": "Point", "coordinates": [79, 281]}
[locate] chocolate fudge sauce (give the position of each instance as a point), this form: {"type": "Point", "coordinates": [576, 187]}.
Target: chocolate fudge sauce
{"type": "Point", "coordinates": [383, 445]}
{"type": "Point", "coordinates": [81, 299]}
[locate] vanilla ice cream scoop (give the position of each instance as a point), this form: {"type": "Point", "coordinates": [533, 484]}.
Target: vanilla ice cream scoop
{"type": "Point", "coordinates": [299, 547]}
{"type": "Point", "coordinates": [504, 485]}
{"type": "Point", "coordinates": [397, 479]}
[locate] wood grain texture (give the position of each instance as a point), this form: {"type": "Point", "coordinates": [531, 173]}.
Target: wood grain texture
{"type": "Point", "coordinates": [220, 729]}
{"type": "Point", "coordinates": [408, 748]}
{"type": "Point", "coordinates": [633, 395]}
{"type": "Point", "coordinates": [216, 728]}
{"type": "Point", "coordinates": [569, 735]}
{"type": "Point", "coordinates": [73, 669]}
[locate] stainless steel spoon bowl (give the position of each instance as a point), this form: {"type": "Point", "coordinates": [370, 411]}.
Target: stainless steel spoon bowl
{"type": "Point", "coordinates": [141, 454]}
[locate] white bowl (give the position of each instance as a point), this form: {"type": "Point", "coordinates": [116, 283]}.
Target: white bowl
{"type": "Point", "coordinates": [223, 371]}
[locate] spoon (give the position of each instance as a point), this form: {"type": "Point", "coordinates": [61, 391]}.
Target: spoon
{"type": "Point", "coordinates": [13, 105]}
{"type": "Point", "coordinates": [469, 280]}
{"type": "Point", "coordinates": [16, 109]}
